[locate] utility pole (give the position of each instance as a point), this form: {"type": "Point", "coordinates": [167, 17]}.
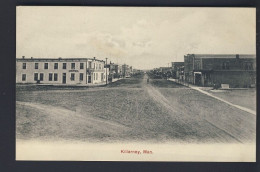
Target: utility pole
{"type": "Point", "coordinates": [106, 72]}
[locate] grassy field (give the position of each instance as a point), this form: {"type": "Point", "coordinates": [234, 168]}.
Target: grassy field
{"type": "Point", "coordinates": [129, 110]}
{"type": "Point", "coordinates": [245, 98]}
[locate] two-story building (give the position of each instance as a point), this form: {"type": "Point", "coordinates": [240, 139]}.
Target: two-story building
{"type": "Point", "coordinates": [178, 70]}
{"type": "Point", "coordinates": [60, 71]}
{"type": "Point", "coordinates": [236, 70]}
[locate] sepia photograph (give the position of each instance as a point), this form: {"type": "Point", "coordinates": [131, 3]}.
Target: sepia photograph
{"type": "Point", "coordinates": [135, 84]}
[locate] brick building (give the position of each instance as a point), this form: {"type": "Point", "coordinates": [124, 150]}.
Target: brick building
{"type": "Point", "coordinates": [236, 70]}
{"type": "Point", "coordinates": [60, 71]}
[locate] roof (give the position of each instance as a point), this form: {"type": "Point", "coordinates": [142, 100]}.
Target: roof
{"type": "Point", "coordinates": [241, 56]}
{"type": "Point", "coordinates": [56, 59]}
{"type": "Point", "coordinates": [177, 63]}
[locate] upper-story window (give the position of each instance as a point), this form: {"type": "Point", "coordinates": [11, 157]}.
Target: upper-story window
{"type": "Point", "coordinates": [81, 65]}
{"type": "Point", "coordinates": [36, 65]}
{"type": "Point", "coordinates": [46, 66]}
{"type": "Point", "coordinates": [248, 66]}
{"type": "Point", "coordinates": [99, 66]}
{"type": "Point", "coordinates": [64, 66]}
{"type": "Point", "coordinates": [94, 65]}
{"type": "Point", "coordinates": [24, 65]}
{"type": "Point", "coordinates": [225, 65]}
{"type": "Point", "coordinates": [72, 65]}
{"type": "Point", "coordinates": [89, 64]}
{"type": "Point", "coordinates": [55, 65]}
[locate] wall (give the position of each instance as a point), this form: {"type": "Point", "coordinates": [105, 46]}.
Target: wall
{"type": "Point", "coordinates": [96, 65]}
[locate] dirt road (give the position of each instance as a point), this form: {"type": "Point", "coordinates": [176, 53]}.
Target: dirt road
{"type": "Point", "coordinates": [132, 110]}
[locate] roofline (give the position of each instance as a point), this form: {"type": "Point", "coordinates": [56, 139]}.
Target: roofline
{"type": "Point", "coordinates": [242, 56]}
{"type": "Point", "coordinates": [57, 59]}
{"type": "Point", "coordinates": [219, 54]}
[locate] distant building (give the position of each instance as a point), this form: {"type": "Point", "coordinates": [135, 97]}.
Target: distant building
{"type": "Point", "coordinates": [126, 70]}
{"type": "Point", "coordinates": [60, 71]}
{"type": "Point", "coordinates": [209, 70]}
{"type": "Point", "coordinates": [178, 70]}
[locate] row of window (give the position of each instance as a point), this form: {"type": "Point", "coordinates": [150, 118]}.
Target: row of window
{"type": "Point", "coordinates": [64, 66]}
{"type": "Point", "coordinates": [246, 65]}
{"type": "Point", "coordinates": [56, 66]}
{"type": "Point", "coordinates": [52, 77]}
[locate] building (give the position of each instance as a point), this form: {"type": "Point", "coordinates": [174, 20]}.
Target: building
{"type": "Point", "coordinates": [234, 70]}
{"type": "Point", "coordinates": [69, 71]}
{"type": "Point", "coordinates": [126, 71]}
{"type": "Point", "coordinates": [178, 70]}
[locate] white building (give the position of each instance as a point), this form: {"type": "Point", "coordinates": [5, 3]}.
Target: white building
{"type": "Point", "coordinates": [69, 71]}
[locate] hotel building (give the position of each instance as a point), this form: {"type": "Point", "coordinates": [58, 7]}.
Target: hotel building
{"type": "Point", "coordinates": [60, 71]}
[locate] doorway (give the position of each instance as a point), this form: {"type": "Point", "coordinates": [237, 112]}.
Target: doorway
{"type": "Point", "coordinates": [89, 79]}
{"type": "Point", "coordinates": [64, 78]}
{"type": "Point", "coordinates": [198, 79]}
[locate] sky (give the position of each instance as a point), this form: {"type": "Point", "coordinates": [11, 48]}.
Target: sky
{"type": "Point", "coordinates": [143, 37]}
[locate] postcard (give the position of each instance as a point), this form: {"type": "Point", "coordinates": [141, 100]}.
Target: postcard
{"type": "Point", "coordinates": [135, 84]}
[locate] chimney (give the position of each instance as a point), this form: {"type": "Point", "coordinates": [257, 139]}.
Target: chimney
{"type": "Point", "coordinates": [94, 58]}
{"type": "Point", "coordinates": [31, 57]}
{"type": "Point", "coordinates": [59, 58]}
{"type": "Point", "coordinates": [237, 56]}
{"type": "Point", "coordinates": [23, 57]}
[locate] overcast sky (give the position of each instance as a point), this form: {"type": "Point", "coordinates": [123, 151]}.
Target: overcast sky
{"type": "Point", "coordinates": [139, 36]}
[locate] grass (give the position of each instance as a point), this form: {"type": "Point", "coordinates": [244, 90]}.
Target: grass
{"type": "Point", "coordinates": [245, 98]}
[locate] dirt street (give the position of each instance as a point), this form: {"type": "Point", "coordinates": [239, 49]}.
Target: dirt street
{"type": "Point", "coordinates": [131, 110]}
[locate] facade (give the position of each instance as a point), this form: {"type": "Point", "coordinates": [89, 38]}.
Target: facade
{"type": "Point", "coordinates": [126, 71]}
{"type": "Point", "coordinates": [213, 70]}
{"type": "Point", "coordinates": [67, 71]}
{"type": "Point", "coordinates": [178, 70]}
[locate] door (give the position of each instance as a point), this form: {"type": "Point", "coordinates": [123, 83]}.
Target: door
{"type": "Point", "coordinates": [89, 79]}
{"type": "Point", "coordinates": [198, 79]}
{"type": "Point", "coordinates": [64, 78]}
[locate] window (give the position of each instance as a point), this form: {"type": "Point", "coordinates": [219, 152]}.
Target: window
{"type": "Point", "coordinates": [55, 77]}
{"type": "Point", "coordinates": [81, 65]}
{"type": "Point", "coordinates": [225, 65]}
{"type": "Point", "coordinates": [72, 77]}
{"type": "Point", "coordinates": [72, 65]}
{"type": "Point", "coordinates": [94, 65]}
{"type": "Point", "coordinates": [55, 65]}
{"type": "Point", "coordinates": [41, 76]}
{"type": "Point", "coordinates": [81, 76]}
{"type": "Point", "coordinates": [64, 66]}
{"type": "Point", "coordinates": [36, 66]}
{"type": "Point", "coordinates": [89, 64]}
{"type": "Point", "coordinates": [36, 77]}
{"type": "Point", "coordinates": [96, 76]}
{"type": "Point", "coordinates": [248, 66]}
{"type": "Point", "coordinates": [99, 66]}
{"type": "Point", "coordinates": [24, 65]}
{"type": "Point", "coordinates": [45, 65]}
{"type": "Point", "coordinates": [23, 77]}
{"type": "Point", "coordinates": [50, 76]}
{"type": "Point", "coordinates": [102, 76]}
